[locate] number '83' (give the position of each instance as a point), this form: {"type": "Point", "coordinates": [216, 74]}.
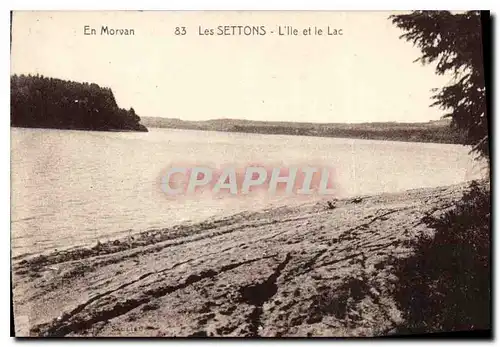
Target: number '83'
{"type": "Point", "coordinates": [180, 31]}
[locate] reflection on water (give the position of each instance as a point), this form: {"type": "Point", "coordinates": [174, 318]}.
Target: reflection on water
{"type": "Point", "coordinates": [74, 187]}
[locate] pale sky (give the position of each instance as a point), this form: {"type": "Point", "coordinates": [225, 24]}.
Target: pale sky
{"type": "Point", "coordinates": [365, 75]}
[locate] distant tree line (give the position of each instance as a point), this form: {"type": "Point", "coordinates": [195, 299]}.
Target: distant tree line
{"type": "Point", "coordinates": [438, 132]}
{"type": "Point", "coordinates": [42, 102]}
{"type": "Point", "coordinates": [430, 134]}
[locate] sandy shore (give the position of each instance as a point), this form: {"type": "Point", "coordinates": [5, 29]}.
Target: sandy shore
{"type": "Point", "coordinates": [301, 271]}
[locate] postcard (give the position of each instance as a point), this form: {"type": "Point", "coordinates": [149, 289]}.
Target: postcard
{"type": "Point", "coordinates": [250, 173]}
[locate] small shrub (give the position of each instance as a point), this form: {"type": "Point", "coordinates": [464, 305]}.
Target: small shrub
{"type": "Point", "coordinates": [445, 285]}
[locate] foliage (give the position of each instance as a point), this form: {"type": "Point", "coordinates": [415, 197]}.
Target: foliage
{"type": "Point", "coordinates": [454, 42]}
{"type": "Point", "coordinates": [418, 132]}
{"type": "Point", "coordinates": [445, 285]}
{"type": "Point", "coordinates": [41, 102]}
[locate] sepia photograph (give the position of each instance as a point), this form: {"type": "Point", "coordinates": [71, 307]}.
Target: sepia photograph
{"type": "Point", "coordinates": [250, 174]}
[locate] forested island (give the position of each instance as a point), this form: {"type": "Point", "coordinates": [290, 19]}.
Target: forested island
{"type": "Point", "coordinates": [434, 131]}
{"type": "Point", "coordinates": [43, 102]}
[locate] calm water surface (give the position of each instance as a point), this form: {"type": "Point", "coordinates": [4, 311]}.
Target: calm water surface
{"type": "Point", "coordinates": [73, 187]}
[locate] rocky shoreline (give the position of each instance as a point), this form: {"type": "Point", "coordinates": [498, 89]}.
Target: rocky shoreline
{"type": "Point", "coordinates": [313, 270]}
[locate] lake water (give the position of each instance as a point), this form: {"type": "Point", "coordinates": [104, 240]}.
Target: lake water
{"type": "Point", "coordinates": [76, 187]}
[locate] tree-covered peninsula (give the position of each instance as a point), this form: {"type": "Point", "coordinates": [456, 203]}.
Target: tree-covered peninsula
{"type": "Point", "coordinates": [42, 102]}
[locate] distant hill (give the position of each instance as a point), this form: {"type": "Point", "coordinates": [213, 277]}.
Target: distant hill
{"type": "Point", "coordinates": [41, 102]}
{"type": "Point", "coordinates": [434, 131]}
